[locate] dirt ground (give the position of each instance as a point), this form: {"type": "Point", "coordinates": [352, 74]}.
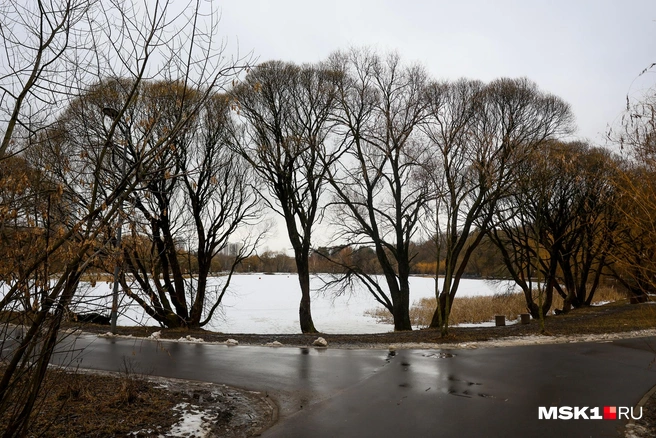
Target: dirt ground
{"type": "Point", "coordinates": [101, 404]}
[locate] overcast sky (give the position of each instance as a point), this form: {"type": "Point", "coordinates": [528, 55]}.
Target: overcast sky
{"type": "Point", "coordinates": [590, 53]}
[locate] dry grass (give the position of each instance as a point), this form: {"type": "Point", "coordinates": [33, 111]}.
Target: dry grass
{"type": "Point", "coordinates": [473, 310]}
{"type": "Point", "coordinates": [97, 277]}
{"type": "Point", "coordinates": [470, 309]}
{"type": "Point", "coordinates": [74, 405]}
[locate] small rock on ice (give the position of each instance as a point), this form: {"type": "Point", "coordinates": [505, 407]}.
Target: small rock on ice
{"type": "Point", "coordinates": [232, 342]}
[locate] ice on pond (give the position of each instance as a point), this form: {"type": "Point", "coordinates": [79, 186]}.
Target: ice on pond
{"type": "Point", "coordinates": [258, 303]}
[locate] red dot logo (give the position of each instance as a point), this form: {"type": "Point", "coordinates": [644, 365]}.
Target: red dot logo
{"type": "Point", "coordinates": [610, 413]}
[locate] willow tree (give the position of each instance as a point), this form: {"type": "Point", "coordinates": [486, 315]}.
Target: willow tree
{"type": "Point", "coordinates": [554, 224]}
{"type": "Point", "coordinates": [286, 111]}
{"type": "Point", "coordinates": [379, 193]}
{"type": "Point", "coordinates": [197, 197]}
{"type": "Point", "coordinates": [479, 134]}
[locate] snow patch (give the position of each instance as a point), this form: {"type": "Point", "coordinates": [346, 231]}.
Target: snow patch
{"type": "Point", "coordinates": [75, 332]}
{"type": "Point", "coordinates": [485, 324]}
{"type": "Point", "coordinates": [273, 344]}
{"type": "Point", "coordinates": [194, 422]}
{"type": "Point", "coordinates": [320, 342]}
{"type": "Point", "coordinates": [141, 432]}
{"type": "Point", "coordinates": [112, 335]}
{"type": "Point", "coordinates": [512, 341]}
{"type": "Point", "coordinates": [191, 339]}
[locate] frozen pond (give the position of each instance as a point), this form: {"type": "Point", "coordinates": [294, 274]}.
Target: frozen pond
{"type": "Point", "coordinates": [259, 303]}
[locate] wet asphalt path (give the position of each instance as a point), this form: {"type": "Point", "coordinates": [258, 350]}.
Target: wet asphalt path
{"type": "Point", "coordinates": [486, 392]}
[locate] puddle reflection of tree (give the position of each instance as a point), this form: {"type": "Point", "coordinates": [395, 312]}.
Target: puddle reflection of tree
{"type": "Point", "coordinates": [304, 375]}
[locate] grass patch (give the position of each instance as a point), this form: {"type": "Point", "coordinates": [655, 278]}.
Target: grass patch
{"type": "Point", "coordinates": [478, 309]}
{"type": "Point", "coordinates": [16, 317]}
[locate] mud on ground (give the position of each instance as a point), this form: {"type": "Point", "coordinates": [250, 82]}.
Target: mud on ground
{"type": "Point", "coordinates": [103, 404]}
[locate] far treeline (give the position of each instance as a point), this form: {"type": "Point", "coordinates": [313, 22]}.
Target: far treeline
{"type": "Point", "coordinates": [486, 261]}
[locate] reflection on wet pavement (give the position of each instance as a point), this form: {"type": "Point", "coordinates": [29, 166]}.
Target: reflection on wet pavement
{"type": "Point", "coordinates": [439, 355]}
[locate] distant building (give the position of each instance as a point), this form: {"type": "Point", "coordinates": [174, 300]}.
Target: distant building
{"type": "Point", "coordinates": [231, 249]}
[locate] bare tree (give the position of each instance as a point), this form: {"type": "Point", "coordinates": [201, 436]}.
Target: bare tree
{"type": "Point", "coordinates": [201, 193]}
{"type": "Point", "coordinates": [378, 194]}
{"type": "Point", "coordinates": [479, 135]}
{"type": "Point", "coordinates": [43, 53]}
{"type": "Point", "coordinates": [286, 139]}
{"type": "Point", "coordinates": [454, 111]}
{"type": "Point", "coordinates": [82, 175]}
{"type": "Point", "coordinates": [518, 229]}
{"type": "Point", "coordinates": [593, 220]}
{"type": "Point", "coordinates": [635, 251]}
{"type": "Point", "coordinates": [556, 224]}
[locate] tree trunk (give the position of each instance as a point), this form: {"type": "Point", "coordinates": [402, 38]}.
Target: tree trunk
{"type": "Point", "coordinates": [401, 307]}
{"type": "Point", "coordinates": [19, 422]}
{"type": "Point", "coordinates": [196, 314]}
{"type": "Point", "coordinates": [304, 311]}
{"type": "Point", "coordinates": [439, 319]}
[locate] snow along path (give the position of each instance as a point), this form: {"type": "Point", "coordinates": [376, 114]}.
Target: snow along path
{"type": "Point", "coordinates": [513, 341]}
{"type": "Point", "coordinates": [510, 341]}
